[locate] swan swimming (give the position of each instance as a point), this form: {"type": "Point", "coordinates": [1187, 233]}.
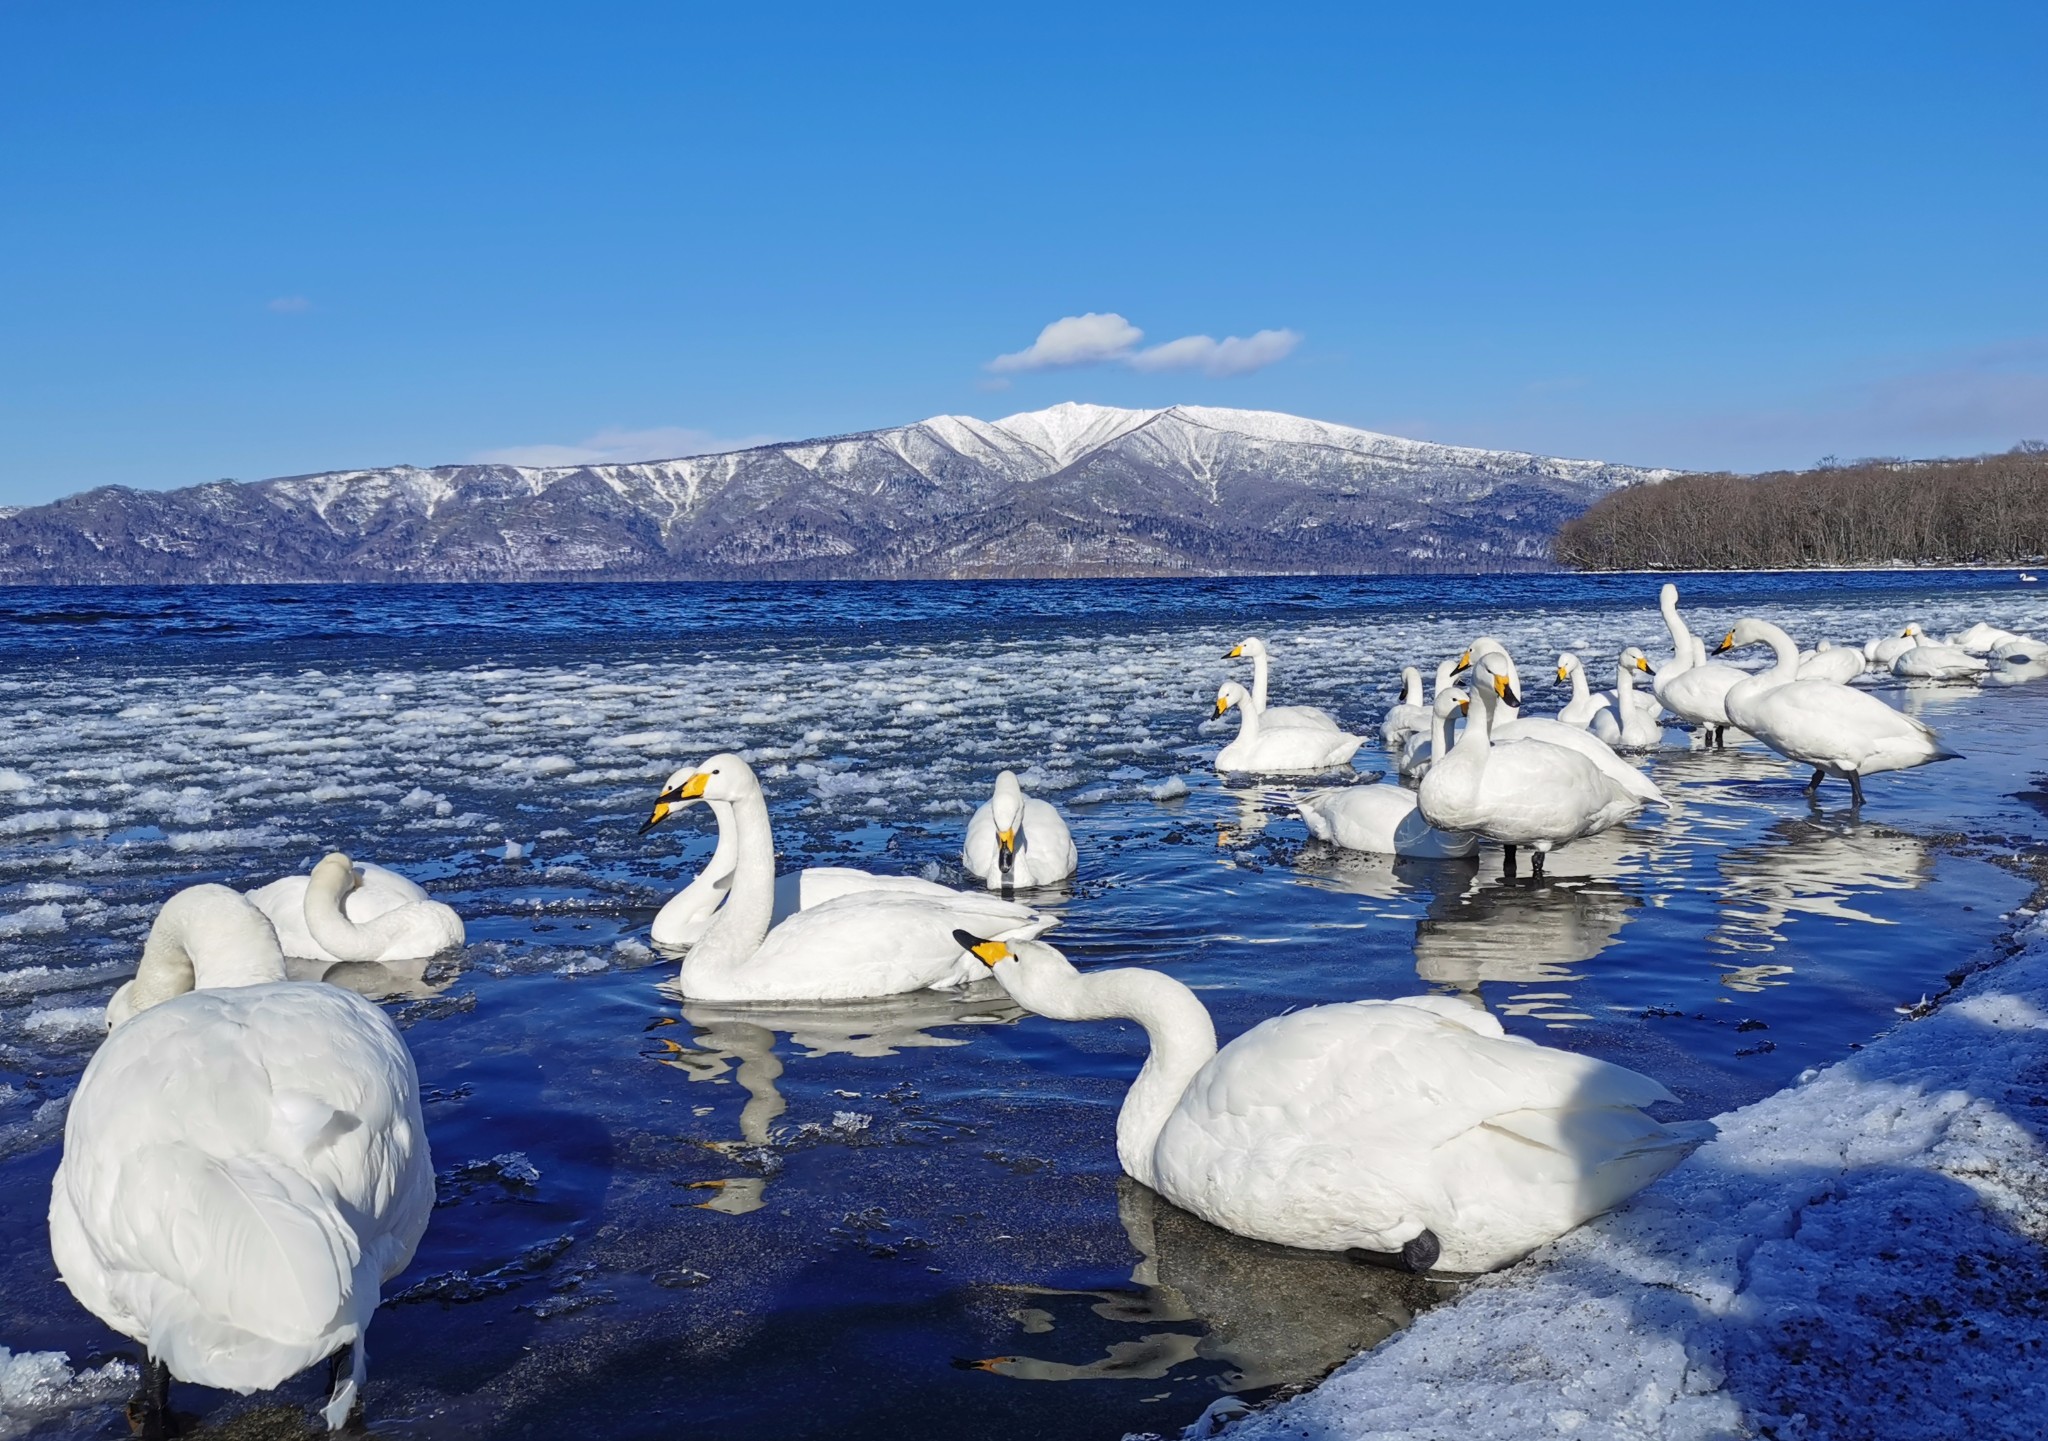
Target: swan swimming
{"type": "Point", "coordinates": [356, 911]}
{"type": "Point", "coordinates": [1584, 704]}
{"type": "Point", "coordinates": [1640, 727]}
{"type": "Point", "coordinates": [1383, 819]}
{"type": "Point", "coordinates": [1836, 730]}
{"type": "Point", "coordinates": [1415, 1127]}
{"type": "Point", "coordinates": [1408, 715]}
{"type": "Point", "coordinates": [1420, 752]}
{"type": "Point", "coordinates": [1278, 750]}
{"type": "Point", "coordinates": [856, 946]}
{"type": "Point", "coordinates": [1279, 715]}
{"type": "Point", "coordinates": [1018, 840]}
{"type": "Point", "coordinates": [244, 1163]}
{"type": "Point", "coordinates": [1523, 792]}
{"type": "Point", "coordinates": [687, 914]}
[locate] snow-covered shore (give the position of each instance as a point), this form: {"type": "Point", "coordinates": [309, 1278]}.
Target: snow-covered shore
{"type": "Point", "coordinates": [1859, 1256]}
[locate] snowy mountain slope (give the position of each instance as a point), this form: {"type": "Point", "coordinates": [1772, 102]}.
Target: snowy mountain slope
{"type": "Point", "coordinates": [1071, 490]}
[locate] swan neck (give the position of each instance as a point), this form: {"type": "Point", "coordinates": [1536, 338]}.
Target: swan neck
{"type": "Point", "coordinates": [1681, 638]}
{"type": "Point", "coordinates": [1182, 1040]}
{"type": "Point", "coordinates": [741, 924]}
{"type": "Point", "coordinates": [1784, 648]}
{"type": "Point", "coordinates": [205, 938]}
{"type": "Point", "coordinates": [1259, 679]}
{"type": "Point", "coordinates": [1248, 721]}
{"type": "Point", "coordinates": [325, 909]}
{"type": "Point", "coordinates": [1580, 690]}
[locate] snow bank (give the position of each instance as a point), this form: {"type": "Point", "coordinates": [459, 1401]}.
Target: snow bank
{"type": "Point", "coordinates": [1859, 1256]}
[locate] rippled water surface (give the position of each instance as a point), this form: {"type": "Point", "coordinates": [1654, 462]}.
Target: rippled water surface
{"type": "Point", "coordinates": [905, 1218]}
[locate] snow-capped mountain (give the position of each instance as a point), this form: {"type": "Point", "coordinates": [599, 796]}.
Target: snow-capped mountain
{"type": "Point", "coordinates": [1076, 489]}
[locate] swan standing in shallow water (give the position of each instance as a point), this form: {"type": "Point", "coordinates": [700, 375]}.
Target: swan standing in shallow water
{"type": "Point", "coordinates": [1018, 840]}
{"type": "Point", "coordinates": [1506, 725]}
{"type": "Point", "coordinates": [1521, 793]}
{"type": "Point", "coordinates": [1279, 715]}
{"type": "Point", "coordinates": [853, 947]}
{"type": "Point", "coordinates": [1836, 730]}
{"type": "Point", "coordinates": [1640, 727]}
{"type": "Point", "coordinates": [1414, 1127]}
{"type": "Point", "coordinates": [244, 1163]}
{"type": "Point", "coordinates": [1278, 750]}
{"type": "Point", "coordinates": [345, 911]}
{"type": "Point", "coordinates": [1689, 687]}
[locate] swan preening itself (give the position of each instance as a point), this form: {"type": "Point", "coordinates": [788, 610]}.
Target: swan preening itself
{"type": "Point", "coordinates": [1017, 840]}
{"type": "Point", "coordinates": [1279, 715]}
{"type": "Point", "coordinates": [244, 1163]}
{"type": "Point", "coordinates": [1264, 749]}
{"type": "Point", "coordinates": [1413, 1127]}
{"type": "Point", "coordinates": [355, 911]}
{"type": "Point", "coordinates": [861, 944]}
{"type": "Point", "coordinates": [1384, 819]}
{"type": "Point", "coordinates": [1836, 730]}
{"type": "Point", "coordinates": [1525, 792]}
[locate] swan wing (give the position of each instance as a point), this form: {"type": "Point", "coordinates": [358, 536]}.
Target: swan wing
{"type": "Point", "coordinates": [881, 943]}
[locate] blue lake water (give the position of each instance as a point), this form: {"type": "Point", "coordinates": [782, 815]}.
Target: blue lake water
{"type": "Point", "coordinates": [657, 1213]}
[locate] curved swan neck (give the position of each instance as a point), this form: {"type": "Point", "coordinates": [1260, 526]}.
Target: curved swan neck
{"type": "Point", "coordinates": [1411, 686]}
{"type": "Point", "coordinates": [1681, 638]}
{"type": "Point", "coordinates": [741, 924]}
{"type": "Point", "coordinates": [1182, 1040]}
{"type": "Point", "coordinates": [1248, 721]}
{"type": "Point", "coordinates": [1783, 647]}
{"type": "Point", "coordinates": [327, 893]}
{"type": "Point", "coordinates": [1580, 690]}
{"type": "Point", "coordinates": [206, 937]}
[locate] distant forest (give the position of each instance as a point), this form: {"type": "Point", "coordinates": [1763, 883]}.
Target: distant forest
{"type": "Point", "coordinates": [1990, 510]}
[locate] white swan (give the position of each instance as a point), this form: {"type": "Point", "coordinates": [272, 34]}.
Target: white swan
{"type": "Point", "coordinates": [856, 946]}
{"type": "Point", "coordinates": [244, 1162]}
{"type": "Point", "coordinates": [1884, 651]}
{"type": "Point", "coordinates": [1688, 687]}
{"type": "Point", "coordinates": [1640, 727]}
{"type": "Point", "coordinates": [1278, 750]}
{"type": "Point", "coordinates": [1491, 645]}
{"type": "Point", "coordinates": [1827, 662]}
{"type": "Point", "coordinates": [687, 914]}
{"type": "Point", "coordinates": [1413, 1127]}
{"type": "Point", "coordinates": [1420, 752]}
{"type": "Point", "coordinates": [1383, 819]}
{"type": "Point", "coordinates": [1584, 704]}
{"type": "Point", "coordinates": [1410, 714]}
{"type": "Point", "coordinates": [1983, 638]}
{"type": "Point", "coordinates": [1018, 840]}
{"type": "Point", "coordinates": [1279, 715]}
{"type": "Point", "coordinates": [1507, 725]}
{"type": "Point", "coordinates": [2018, 661]}
{"type": "Point", "coordinates": [349, 911]}
{"type": "Point", "coordinates": [1523, 792]}
{"type": "Point", "coordinates": [1836, 730]}
{"type": "Point", "coordinates": [1938, 662]}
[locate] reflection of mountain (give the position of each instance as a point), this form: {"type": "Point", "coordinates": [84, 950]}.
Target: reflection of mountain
{"type": "Point", "coordinates": [1520, 934]}
{"type": "Point", "coordinates": [739, 1040]}
{"type": "Point", "coordinates": [1808, 868]}
{"type": "Point", "coordinates": [1272, 1315]}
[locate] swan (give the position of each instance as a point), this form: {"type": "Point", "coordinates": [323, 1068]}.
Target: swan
{"type": "Point", "coordinates": [1410, 714]}
{"type": "Point", "coordinates": [1883, 652]}
{"type": "Point", "coordinates": [1640, 727]}
{"type": "Point", "coordinates": [683, 919]}
{"type": "Point", "coordinates": [1278, 750]}
{"type": "Point", "coordinates": [1833, 728]}
{"type": "Point", "coordinates": [856, 946]}
{"type": "Point", "coordinates": [1689, 687]}
{"type": "Point", "coordinates": [1584, 704]}
{"type": "Point", "coordinates": [1524, 792]}
{"type": "Point", "coordinates": [244, 1163]}
{"type": "Point", "coordinates": [1508, 725]}
{"type": "Point", "coordinates": [1379, 818]}
{"type": "Point", "coordinates": [1938, 662]}
{"type": "Point", "coordinates": [350, 911]}
{"type": "Point", "coordinates": [1982, 639]}
{"type": "Point", "coordinates": [1279, 715]}
{"type": "Point", "coordinates": [2017, 661]}
{"type": "Point", "coordinates": [1421, 752]}
{"type": "Point", "coordinates": [1490, 645]}
{"type": "Point", "coordinates": [1826, 662]}
{"type": "Point", "coordinates": [1018, 840]}
{"type": "Point", "coordinates": [1414, 1127]}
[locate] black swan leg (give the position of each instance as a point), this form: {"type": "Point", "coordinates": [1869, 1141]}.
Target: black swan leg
{"type": "Point", "coordinates": [1507, 860]}
{"type": "Point", "coordinates": [149, 1410]}
{"type": "Point", "coordinates": [1855, 788]}
{"type": "Point", "coordinates": [1421, 1253]}
{"type": "Point", "coordinates": [1814, 784]}
{"type": "Point", "coordinates": [1535, 869]}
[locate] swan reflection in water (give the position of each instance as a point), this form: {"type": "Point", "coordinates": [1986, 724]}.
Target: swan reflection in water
{"type": "Point", "coordinates": [738, 1041]}
{"type": "Point", "coordinates": [416, 980]}
{"type": "Point", "coordinates": [1269, 1315]}
{"type": "Point", "coordinates": [1807, 868]}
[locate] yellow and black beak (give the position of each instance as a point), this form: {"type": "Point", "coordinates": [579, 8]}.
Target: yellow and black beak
{"type": "Point", "coordinates": [1006, 848]}
{"type": "Point", "coordinates": [1234, 652]}
{"type": "Point", "coordinates": [1727, 643]}
{"type": "Point", "coordinates": [1564, 673]}
{"type": "Point", "coordinates": [1643, 664]}
{"type": "Point", "coordinates": [1464, 705]}
{"type": "Point", "coordinates": [1464, 664]}
{"type": "Point", "coordinates": [987, 952]}
{"type": "Point", "coordinates": [1222, 704]}
{"type": "Point", "coordinates": [667, 801]}
{"type": "Point", "coordinates": [1505, 691]}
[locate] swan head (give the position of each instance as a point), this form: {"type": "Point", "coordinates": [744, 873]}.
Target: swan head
{"type": "Point", "coordinates": [1006, 809]}
{"type": "Point", "coordinates": [1566, 664]}
{"type": "Point", "coordinates": [1229, 694]}
{"type": "Point", "coordinates": [1035, 974]}
{"type": "Point", "coordinates": [1668, 596]}
{"type": "Point", "coordinates": [1911, 632]}
{"type": "Point", "coordinates": [1634, 659]}
{"type": "Point", "coordinates": [1251, 645]}
{"type": "Point", "coordinates": [1493, 671]}
{"type": "Point", "coordinates": [337, 872]}
{"type": "Point", "coordinates": [1747, 631]}
{"type": "Point", "coordinates": [1485, 645]}
{"type": "Point", "coordinates": [725, 777]}
{"type": "Point", "coordinates": [1452, 700]}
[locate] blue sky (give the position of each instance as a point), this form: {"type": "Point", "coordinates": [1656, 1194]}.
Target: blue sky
{"type": "Point", "coordinates": [250, 240]}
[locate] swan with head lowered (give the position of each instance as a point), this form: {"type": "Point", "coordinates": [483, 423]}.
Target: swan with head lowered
{"type": "Point", "coordinates": [1927, 661]}
{"type": "Point", "coordinates": [853, 947]}
{"type": "Point", "coordinates": [1689, 687]}
{"type": "Point", "coordinates": [355, 911]}
{"type": "Point", "coordinates": [1415, 1128]}
{"type": "Point", "coordinates": [1508, 725]}
{"type": "Point", "coordinates": [1385, 819]}
{"type": "Point", "coordinates": [244, 1164]}
{"type": "Point", "coordinates": [1264, 749]}
{"type": "Point", "coordinates": [1018, 840]}
{"type": "Point", "coordinates": [1279, 715]}
{"type": "Point", "coordinates": [1640, 726]}
{"type": "Point", "coordinates": [1522, 792]}
{"type": "Point", "coordinates": [1836, 730]}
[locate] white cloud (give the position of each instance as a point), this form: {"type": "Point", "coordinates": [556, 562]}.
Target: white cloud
{"type": "Point", "coordinates": [289, 305]}
{"type": "Point", "coordinates": [1231, 355]}
{"type": "Point", "coordinates": [622, 447]}
{"type": "Point", "coordinates": [1094, 339]}
{"type": "Point", "coordinates": [1075, 340]}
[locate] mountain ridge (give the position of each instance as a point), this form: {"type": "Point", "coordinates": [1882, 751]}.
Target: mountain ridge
{"type": "Point", "coordinates": [1072, 489]}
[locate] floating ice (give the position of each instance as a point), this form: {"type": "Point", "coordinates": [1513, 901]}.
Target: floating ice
{"type": "Point", "coordinates": [37, 1385]}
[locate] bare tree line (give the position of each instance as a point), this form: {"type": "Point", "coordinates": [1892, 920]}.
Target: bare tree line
{"type": "Point", "coordinates": [1987, 510]}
